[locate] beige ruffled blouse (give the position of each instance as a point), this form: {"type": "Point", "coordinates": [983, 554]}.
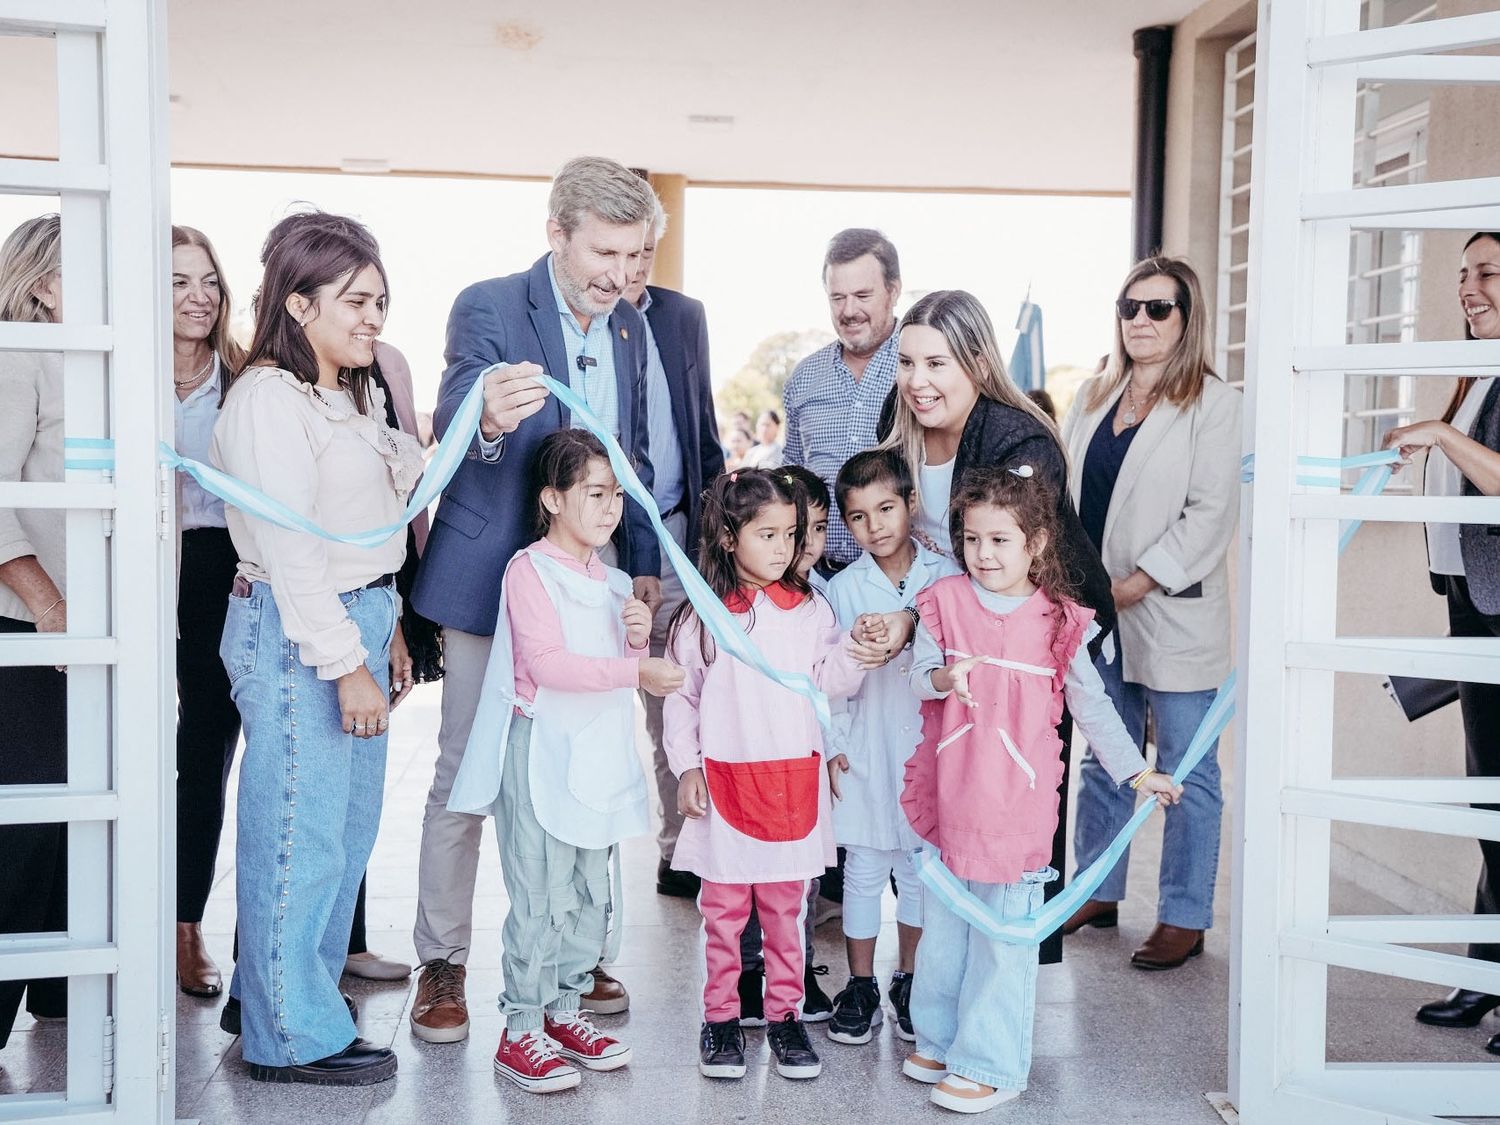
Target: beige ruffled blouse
{"type": "Point", "coordinates": [309, 448]}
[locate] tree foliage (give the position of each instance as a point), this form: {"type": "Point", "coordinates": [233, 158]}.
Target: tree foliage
{"type": "Point", "coordinates": [758, 384]}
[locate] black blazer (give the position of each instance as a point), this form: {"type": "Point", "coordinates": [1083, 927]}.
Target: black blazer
{"type": "Point", "coordinates": [680, 330]}
{"type": "Point", "coordinates": [996, 436]}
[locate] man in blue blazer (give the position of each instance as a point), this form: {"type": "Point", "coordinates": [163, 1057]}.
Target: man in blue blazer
{"type": "Point", "coordinates": [564, 317]}
{"type": "Point", "coordinates": [685, 456]}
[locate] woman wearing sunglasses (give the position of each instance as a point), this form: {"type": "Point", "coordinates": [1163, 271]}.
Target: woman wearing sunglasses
{"type": "Point", "coordinates": [1154, 450]}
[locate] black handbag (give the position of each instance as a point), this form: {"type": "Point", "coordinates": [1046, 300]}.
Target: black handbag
{"type": "Point", "coordinates": [1418, 697]}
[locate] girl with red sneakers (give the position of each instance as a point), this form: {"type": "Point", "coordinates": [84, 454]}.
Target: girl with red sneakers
{"type": "Point", "coordinates": [982, 784]}
{"type": "Point", "coordinates": [748, 754]}
{"type": "Point", "coordinates": [552, 755]}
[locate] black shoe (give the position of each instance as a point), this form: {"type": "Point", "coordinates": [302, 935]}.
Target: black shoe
{"type": "Point", "coordinates": [753, 998]}
{"type": "Point", "coordinates": [1460, 1008]}
{"type": "Point", "coordinates": [795, 1057]}
{"type": "Point", "coordinates": [674, 883]}
{"type": "Point", "coordinates": [721, 1050]}
{"type": "Point", "coordinates": [230, 1021]}
{"type": "Point", "coordinates": [856, 1011]}
{"type": "Point", "coordinates": [900, 994]}
{"type": "Point", "coordinates": [359, 1064]}
{"type": "Point", "coordinates": [816, 1007]}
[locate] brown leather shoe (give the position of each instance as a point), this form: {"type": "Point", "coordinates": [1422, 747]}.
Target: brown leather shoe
{"type": "Point", "coordinates": [440, 1014]}
{"type": "Point", "coordinates": [197, 975]}
{"type": "Point", "coordinates": [1100, 915]}
{"type": "Point", "coordinates": [608, 997]}
{"type": "Point", "coordinates": [1167, 947]}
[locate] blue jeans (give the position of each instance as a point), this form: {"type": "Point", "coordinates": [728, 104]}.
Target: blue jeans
{"type": "Point", "coordinates": [973, 999]}
{"type": "Point", "coordinates": [309, 807]}
{"type": "Point", "coordinates": [1190, 840]}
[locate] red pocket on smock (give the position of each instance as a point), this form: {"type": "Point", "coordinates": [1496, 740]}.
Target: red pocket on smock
{"type": "Point", "coordinates": [775, 801]}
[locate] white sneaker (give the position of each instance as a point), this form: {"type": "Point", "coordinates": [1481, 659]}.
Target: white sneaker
{"type": "Point", "coordinates": [963, 1096]}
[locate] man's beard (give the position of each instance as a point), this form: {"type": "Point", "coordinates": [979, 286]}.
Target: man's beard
{"type": "Point", "coordinates": [580, 297]}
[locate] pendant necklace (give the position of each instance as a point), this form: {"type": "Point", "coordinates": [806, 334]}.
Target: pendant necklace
{"type": "Point", "coordinates": [1130, 417]}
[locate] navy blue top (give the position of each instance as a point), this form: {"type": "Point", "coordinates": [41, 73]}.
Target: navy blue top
{"type": "Point", "coordinates": [1101, 468]}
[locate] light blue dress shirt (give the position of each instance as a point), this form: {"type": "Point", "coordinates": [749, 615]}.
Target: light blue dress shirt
{"type": "Point", "coordinates": [664, 448]}
{"type": "Point", "coordinates": [193, 429]}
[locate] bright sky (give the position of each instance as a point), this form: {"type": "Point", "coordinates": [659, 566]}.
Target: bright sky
{"type": "Point", "coordinates": [752, 256]}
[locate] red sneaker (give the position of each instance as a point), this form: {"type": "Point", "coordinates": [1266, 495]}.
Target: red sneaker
{"type": "Point", "coordinates": [578, 1039]}
{"type": "Point", "coordinates": [531, 1061]}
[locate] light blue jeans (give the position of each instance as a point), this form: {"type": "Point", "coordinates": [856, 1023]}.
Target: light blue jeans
{"type": "Point", "coordinates": [309, 808]}
{"type": "Point", "coordinates": [973, 999]}
{"type": "Point", "coordinates": [1190, 840]}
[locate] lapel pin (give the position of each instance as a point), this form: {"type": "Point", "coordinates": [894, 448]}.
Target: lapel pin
{"type": "Point", "coordinates": [624, 333]}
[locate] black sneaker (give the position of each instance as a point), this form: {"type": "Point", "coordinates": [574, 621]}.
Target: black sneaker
{"type": "Point", "coordinates": [856, 1010]}
{"type": "Point", "coordinates": [795, 1057]}
{"type": "Point", "coordinates": [900, 994]}
{"type": "Point", "coordinates": [816, 1007]}
{"type": "Point", "coordinates": [721, 1050]}
{"type": "Point", "coordinates": [753, 998]}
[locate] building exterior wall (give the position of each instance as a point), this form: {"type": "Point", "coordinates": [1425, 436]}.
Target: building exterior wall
{"type": "Point", "coordinates": [1383, 586]}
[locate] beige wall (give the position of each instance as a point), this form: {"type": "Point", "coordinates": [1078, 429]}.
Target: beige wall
{"type": "Point", "coordinates": [1383, 586]}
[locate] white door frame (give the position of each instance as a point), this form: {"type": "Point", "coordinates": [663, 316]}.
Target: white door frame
{"type": "Point", "coordinates": [111, 177]}
{"type": "Point", "coordinates": [1310, 57]}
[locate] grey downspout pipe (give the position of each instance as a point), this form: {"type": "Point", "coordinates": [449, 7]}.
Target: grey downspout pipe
{"type": "Point", "coordinates": [1153, 52]}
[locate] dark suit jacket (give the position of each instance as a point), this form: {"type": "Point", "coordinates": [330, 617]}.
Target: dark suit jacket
{"type": "Point", "coordinates": [681, 333]}
{"type": "Point", "coordinates": [485, 515]}
{"type": "Point", "coordinates": [1479, 544]}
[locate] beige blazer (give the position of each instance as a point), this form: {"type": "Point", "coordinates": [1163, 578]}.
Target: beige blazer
{"type": "Point", "coordinates": [1172, 514]}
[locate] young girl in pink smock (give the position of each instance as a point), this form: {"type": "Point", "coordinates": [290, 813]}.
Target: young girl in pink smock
{"type": "Point", "coordinates": [998, 651]}
{"type": "Point", "coordinates": [748, 754]}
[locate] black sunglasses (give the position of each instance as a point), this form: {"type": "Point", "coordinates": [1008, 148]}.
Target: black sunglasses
{"type": "Point", "coordinates": [1156, 310]}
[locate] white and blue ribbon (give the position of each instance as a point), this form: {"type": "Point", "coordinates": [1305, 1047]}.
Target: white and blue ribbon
{"type": "Point", "coordinates": [1035, 928]}
{"type": "Point", "coordinates": [89, 453]}
{"type": "Point", "coordinates": [713, 616]}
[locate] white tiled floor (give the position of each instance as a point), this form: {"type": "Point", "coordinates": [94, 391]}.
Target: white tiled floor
{"type": "Point", "coordinates": [1112, 1044]}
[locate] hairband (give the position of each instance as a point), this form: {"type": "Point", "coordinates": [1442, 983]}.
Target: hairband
{"type": "Point", "coordinates": [1022, 471]}
{"type": "Point", "coordinates": [734, 477]}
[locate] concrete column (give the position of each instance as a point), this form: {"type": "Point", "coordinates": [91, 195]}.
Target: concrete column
{"type": "Point", "coordinates": [671, 189]}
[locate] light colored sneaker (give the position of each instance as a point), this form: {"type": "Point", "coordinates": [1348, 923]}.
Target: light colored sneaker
{"type": "Point", "coordinates": [531, 1061]}
{"type": "Point", "coordinates": [579, 1040]}
{"type": "Point", "coordinates": [923, 1069]}
{"type": "Point", "coordinates": [963, 1096]}
{"type": "Point", "coordinates": [372, 966]}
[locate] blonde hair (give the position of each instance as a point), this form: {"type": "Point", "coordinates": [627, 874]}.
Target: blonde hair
{"type": "Point", "coordinates": [231, 354]}
{"type": "Point", "coordinates": [1188, 365]}
{"type": "Point", "coordinates": [31, 254]}
{"type": "Point", "coordinates": [970, 336]}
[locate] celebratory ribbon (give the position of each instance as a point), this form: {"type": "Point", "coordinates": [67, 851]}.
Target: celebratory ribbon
{"type": "Point", "coordinates": [713, 616]}
{"type": "Point", "coordinates": [1033, 929]}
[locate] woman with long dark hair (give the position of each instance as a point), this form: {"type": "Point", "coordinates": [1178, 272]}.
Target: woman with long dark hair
{"type": "Point", "coordinates": [205, 356]}
{"type": "Point", "coordinates": [1463, 459]}
{"type": "Point", "coordinates": [312, 647]}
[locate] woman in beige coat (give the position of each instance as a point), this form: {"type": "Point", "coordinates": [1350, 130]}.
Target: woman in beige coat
{"type": "Point", "coordinates": [1154, 451]}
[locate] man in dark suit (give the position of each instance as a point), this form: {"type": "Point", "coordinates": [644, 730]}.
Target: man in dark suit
{"type": "Point", "coordinates": [563, 317]}
{"type": "Point", "coordinates": [685, 456]}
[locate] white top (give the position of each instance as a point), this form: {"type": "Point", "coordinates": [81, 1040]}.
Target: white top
{"type": "Point", "coordinates": [1093, 712]}
{"type": "Point", "coordinates": [31, 449]}
{"type": "Point", "coordinates": [347, 472]}
{"type": "Point", "coordinates": [879, 726]}
{"type": "Point", "coordinates": [1442, 478]}
{"type": "Point", "coordinates": [930, 525]}
{"type": "Point", "coordinates": [194, 419]}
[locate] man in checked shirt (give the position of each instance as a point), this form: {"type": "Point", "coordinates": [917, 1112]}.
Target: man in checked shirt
{"type": "Point", "coordinates": [832, 400]}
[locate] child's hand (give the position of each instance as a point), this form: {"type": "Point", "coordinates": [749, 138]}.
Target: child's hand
{"type": "Point", "coordinates": [1160, 786]}
{"type": "Point", "coordinates": [637, 618]}
{"type": "Point", "coordinates": [837, 764]}
{"type": "Point", "coordinates": [692, 794]}
{"type": "Point", "coordinates": [660, 676]}
{"type": "Point", "coordinates": [869, 656]}
{"type": "Point", "coordinates": [871, 629]}
{"type": "Point", "coordinates": [958, 677]}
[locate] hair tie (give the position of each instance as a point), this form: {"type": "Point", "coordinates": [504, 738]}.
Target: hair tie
{"type": "Point", "coordinates": [734, 477]}
{"type": "Point", "coordinates": [1022, 471]}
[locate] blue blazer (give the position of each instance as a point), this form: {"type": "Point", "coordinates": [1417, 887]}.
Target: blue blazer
{"type": "Point", "coordinates": [485, 515]}
{"type": "Point", "coordinates": [681, 333]}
